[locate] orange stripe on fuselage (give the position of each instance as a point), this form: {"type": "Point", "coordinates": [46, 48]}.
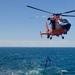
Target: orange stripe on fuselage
{"type": "Point", "coordinates": [58, 31]}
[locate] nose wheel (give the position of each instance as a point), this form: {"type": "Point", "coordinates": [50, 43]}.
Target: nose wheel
{"type": "Point", "coordinates": [62, 37]}
{"type": "Point", "coordinates": [65, 31]}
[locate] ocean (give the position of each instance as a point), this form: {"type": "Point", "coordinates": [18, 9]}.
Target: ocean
{"type": "Point", "coordinates": [32, 61]}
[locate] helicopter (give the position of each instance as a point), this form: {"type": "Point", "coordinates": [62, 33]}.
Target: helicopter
{"type": "Point", "coordinates": [59, 26]}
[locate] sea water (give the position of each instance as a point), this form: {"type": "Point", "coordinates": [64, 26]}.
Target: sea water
{"type": "Point", "coordinates": [32, 60]}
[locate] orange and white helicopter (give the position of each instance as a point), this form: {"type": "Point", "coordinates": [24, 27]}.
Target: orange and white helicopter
{"type": "Point", "coordinates": [59, 26]}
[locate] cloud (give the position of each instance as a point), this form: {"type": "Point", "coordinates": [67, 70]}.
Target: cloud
{"type": "Point", "coordinates": [11, 43]}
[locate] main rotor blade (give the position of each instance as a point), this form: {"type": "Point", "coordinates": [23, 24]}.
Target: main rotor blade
{"type": "Point", "coordinates": [39, 17]}
{"type": "Point", "coordinates": [68, 12]}
{"type": "Point", "coordinates": [39, 9]}
{"type": "Point", "coordinates": [68, 15]}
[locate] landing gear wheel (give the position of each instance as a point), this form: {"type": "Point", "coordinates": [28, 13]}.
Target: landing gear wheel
{"type": "Point", "coordinates": [62, 37]}
{"type": "Point", "coordinates": [65, 32]}
{"type": "Point", "coordinates": [50, 38]}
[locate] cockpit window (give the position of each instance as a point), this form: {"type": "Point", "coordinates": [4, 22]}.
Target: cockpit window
{"type": "Point", "coordinates": [64, 21]}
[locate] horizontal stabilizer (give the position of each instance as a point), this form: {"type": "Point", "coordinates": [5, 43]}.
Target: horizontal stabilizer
{"type": "Point", "coordinates": [48, 34]}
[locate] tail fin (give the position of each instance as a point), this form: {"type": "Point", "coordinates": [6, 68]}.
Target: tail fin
{"type": "Point", "coordinates": [47, 29]}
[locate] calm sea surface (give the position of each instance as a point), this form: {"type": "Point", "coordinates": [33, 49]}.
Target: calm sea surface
{"type": "Point", "coordinates": [31, 61]}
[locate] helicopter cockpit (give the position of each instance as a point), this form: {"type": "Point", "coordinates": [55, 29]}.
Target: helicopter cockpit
{"type": "Point", "coordinates": [63, 21]}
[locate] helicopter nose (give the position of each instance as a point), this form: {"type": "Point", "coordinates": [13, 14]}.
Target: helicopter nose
{"type": "Point", "coordinates": [67, 26]}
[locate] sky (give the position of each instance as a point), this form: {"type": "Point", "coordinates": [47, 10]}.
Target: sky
{"type": "Point", "coordinates": [20, 28]}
